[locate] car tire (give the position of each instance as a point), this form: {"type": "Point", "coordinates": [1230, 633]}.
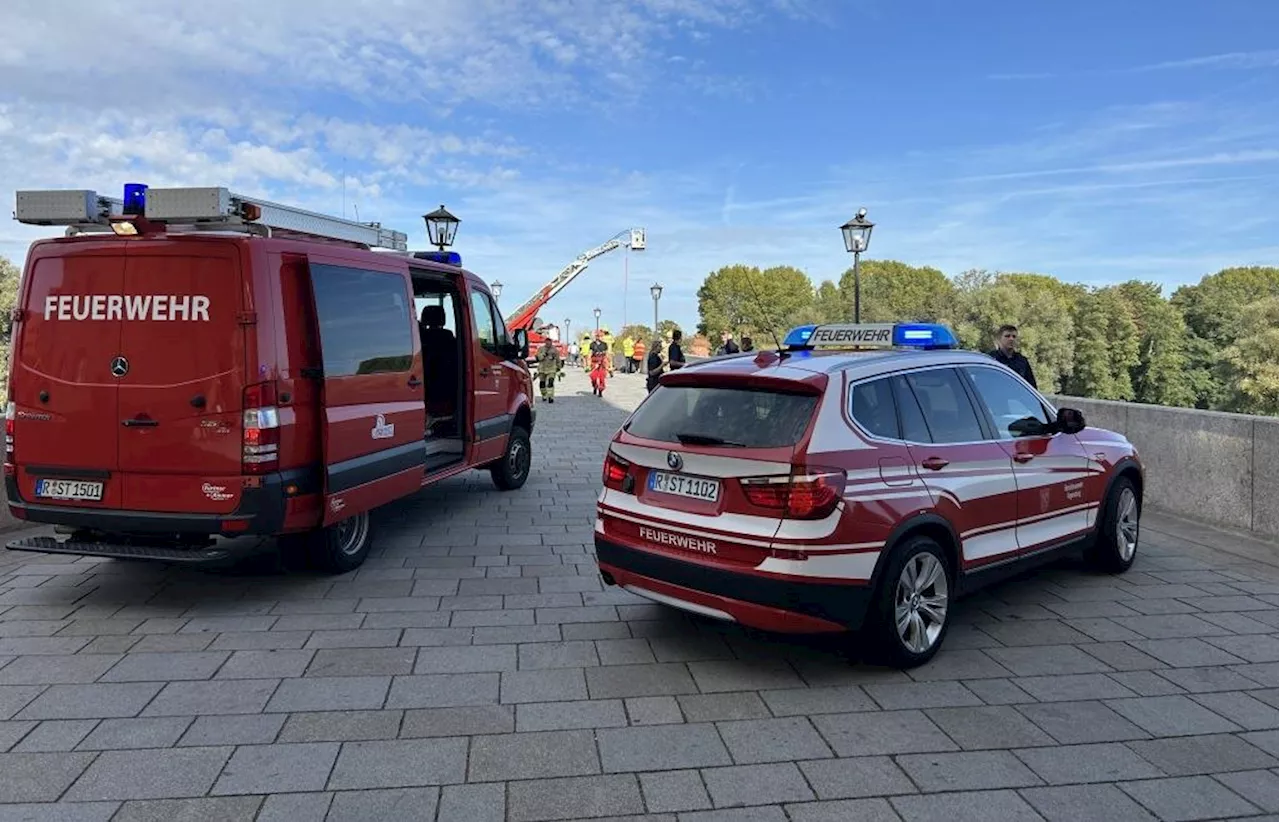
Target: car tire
{"type": "Point", "coordinates": [915, 591]}
{"type": "Point", "coordinates": [1115, 546]}
{"type": "Point", "coordinates": [335, 549]}
{"type": "Point", "coordinates": [512, 470]}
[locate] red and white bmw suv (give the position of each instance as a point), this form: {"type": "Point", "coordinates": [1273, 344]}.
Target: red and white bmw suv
{"type": "Point", "coordinates": [859, 479]}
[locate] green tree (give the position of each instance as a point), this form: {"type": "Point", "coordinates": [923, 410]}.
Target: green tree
{"type": "Point", "coordinates": [10, 277]}
{"type": "Point", "coordinates": [1217, 313]}
{"type": "Point", "coordinates": [1253, 359]}
{"type": "Point", "coordinates": [1107, 345]}
{"type": "Point", "coordinates": [1160, 377]}
{"type": "Point", "coordinates": [828, 304]}
{"type": "Point", "coordinates": [746, 300]}
{"type": "Point", "coordinates": [893, 291]}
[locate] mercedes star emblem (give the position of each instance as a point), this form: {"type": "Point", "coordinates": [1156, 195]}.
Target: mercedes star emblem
{"type": "Point", "coordinates": [119, 367]}
{"type": "Point", "coordinates": [674, 461]}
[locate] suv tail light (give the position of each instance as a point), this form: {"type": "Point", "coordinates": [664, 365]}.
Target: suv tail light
{"type": "Point", "coordinates": [617, 473]}
{"type": "Point", "coordinates": [261, 429]}
{"type": "Point", "coordinates": [808, 493]}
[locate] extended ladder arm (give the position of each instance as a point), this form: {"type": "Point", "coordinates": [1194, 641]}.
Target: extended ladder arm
{"type": "Point", "coordinates": [524, 316]}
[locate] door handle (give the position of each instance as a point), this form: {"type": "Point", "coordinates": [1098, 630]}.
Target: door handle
{"type": "Point", "coordinates": [414, 382]}
{"type": "Point", "coordinates": [141, 422]}
{"type": "Point", "coordinates": [935, 463]}
{"type": "Point", "coordinates": [1023, 457]}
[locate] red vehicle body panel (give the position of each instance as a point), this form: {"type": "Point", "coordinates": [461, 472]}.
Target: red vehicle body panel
{"type": "Point", "coordinates": [200, 317]}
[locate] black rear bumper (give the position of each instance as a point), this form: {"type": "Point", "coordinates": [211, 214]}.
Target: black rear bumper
{"type": "Point", "coordinates": [186, 554]}
{"type": "Point", "coordinates": [842, 604]}
{"type": "Point", "coordinates": [261, 511]}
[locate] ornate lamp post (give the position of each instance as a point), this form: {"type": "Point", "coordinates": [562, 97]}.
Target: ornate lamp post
{"type": "Point", "coordinates": [495, 288]}
{"type": "Point", "coordinates": [596, 311]}
{"type": "Point", "coordinates": [857, 236]}
{"type": "Point", "coordinates": [568, 338]}
{"type": "Point", "coordinates": [442, 227]}
{"type": "Point", "coordinates": [655, 291]}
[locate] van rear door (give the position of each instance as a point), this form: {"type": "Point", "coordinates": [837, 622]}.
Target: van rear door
{"type": "Point", "coordinates": [180, 401]}
{"type": "Point", "coordinates": [63, 390]}
{"type": "Point", "coordinates": [374, 416]}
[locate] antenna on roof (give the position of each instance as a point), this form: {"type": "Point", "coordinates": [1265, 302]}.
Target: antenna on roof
{"type": "Point", "coordinates": [755, 296]}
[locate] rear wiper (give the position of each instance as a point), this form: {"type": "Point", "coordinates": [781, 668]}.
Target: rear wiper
{"type": "Point", "coordinates": [704, 439]}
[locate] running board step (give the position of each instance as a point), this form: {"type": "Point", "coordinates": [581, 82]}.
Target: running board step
{"type": "Point", "coordinates": [51, 545]}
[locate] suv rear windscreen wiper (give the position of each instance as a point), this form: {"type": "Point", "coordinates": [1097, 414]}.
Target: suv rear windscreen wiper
{"type": "Point", "coordinates": [704, 439]}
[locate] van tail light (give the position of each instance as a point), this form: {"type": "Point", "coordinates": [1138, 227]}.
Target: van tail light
{"type": "Point", "coordinates": [10, 418]}
{"type": "Point", "coordinates": [261, 435]}
{"type": "Point", "coordinates": [808, 493]}
{"type": "Point", "coordinates": [617, 473]}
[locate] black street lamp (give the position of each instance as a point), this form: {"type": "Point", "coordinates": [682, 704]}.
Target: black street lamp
{"type": "Point", "coordinates": [596, 311]}
{"type": "Point", "coordinates": [567, 337]}
{"type": "Point", "coordinates": [442, 227]}
{"type": "Point", "coordinates": [495, 288]}
{"type": "Point", "coordinates": [857, 236]}
{"type": "Point", "coordinates": [655, 291]}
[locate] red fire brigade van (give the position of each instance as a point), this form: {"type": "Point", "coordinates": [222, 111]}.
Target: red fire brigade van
{"type": "Point", "coordinates": [190, 365]}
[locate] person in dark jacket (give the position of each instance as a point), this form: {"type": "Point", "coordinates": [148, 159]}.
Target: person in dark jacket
{"type": "Point", "coordinates": [1006, 353]}
{"type": "Point", "coordinates": [675, 354]}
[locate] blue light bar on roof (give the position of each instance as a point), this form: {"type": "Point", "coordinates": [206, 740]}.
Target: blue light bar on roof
{"type": "Point", "coordinates": [854, 336]}
{"type": "Point", "coordinates": [928, 336]}
{"type": "Point", "coordinates": [446, 257]}
{"type": "Point", "coordinates": [135, 198]}
{"type": "Point", "coordinates": [799, 336]}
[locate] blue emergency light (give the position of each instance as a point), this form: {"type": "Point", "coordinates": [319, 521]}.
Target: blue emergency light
{"type": "Point", "coordinates": [799, 336]}
{"type": "Point", "coordinates": [135, 198]}
{"type": "Point", "coordinates": [850, 336]}
{"type": "Point", "coordinates": [446, 257]}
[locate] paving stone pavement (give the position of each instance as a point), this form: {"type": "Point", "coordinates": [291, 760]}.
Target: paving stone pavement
{"type": "Point", "coordinates": [474, 669]}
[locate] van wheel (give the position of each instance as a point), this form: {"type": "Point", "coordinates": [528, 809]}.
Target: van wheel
{"type": "Point", "coordinates": [341, 547]}
{"type": "Point", "coordinates": [510, 472]}
{"type": "Point", "coordinates": [1116, 544]}
{"type": "Point", "coordinates": [911, 608]}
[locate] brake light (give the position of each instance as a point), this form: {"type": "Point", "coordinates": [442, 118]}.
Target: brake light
{"type": "Point", "coordinates": [10, 417]}
{"type": "Point", "coordinates": [261, 435]}
{"type": "Point", "coordinates": [808, 493]}
{"type": "Point", "coordinates": [616, 472]}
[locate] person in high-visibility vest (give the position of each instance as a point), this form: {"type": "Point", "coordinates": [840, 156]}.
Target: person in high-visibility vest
{"type": "Point", "coordinates": [599, 364]}
{"type": "Point", "coordinates": [628, 348]}
{"type": "Point", "coordinates": [636, 360]}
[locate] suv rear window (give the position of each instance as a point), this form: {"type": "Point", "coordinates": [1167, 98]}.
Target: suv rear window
{"type": "Point", "coordinates": [742, 417]}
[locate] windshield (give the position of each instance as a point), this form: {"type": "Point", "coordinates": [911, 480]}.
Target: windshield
{"type": "Point", "coordinates": [736, 417]}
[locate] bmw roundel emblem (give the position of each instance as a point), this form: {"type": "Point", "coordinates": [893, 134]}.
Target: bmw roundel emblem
{"type": "Point", "coordinates": [119, 367]}
{"type": "Point", "coordinates": [674, 461]}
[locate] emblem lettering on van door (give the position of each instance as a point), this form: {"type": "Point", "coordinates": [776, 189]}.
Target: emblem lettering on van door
{"type": "Point", "coordinates": [381, 429]}
{"type": "Point", "coordinates": [337, 504]}
{"type": "Point", "coordinates": [158, 307]}
{"type": "Point", "coordinates": [217, 493]}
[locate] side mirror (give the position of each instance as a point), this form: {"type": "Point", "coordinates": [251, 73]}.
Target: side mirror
{"type": "Point", "coordinates": [1070, 421]}
{"type": "Point", "coordinates": [520, 342]}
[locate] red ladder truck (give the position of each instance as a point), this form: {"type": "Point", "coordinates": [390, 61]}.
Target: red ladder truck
{"type": "Point", "coordinates": [527, 314]}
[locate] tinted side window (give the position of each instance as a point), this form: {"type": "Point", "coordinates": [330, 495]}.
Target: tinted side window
{"type": "Point", "coordinates": [945, 405]}
{"type": "Point", "coordinates": [872, 407]}
{"type": "Point", "coordinates": [1015, 410]}
{"type": "Point", "coordinates": [914, 427]}
{"type": "Point", "coordinates": [364, 320]}
{"type": "Point", "coordinates": [499, 324]}
{"type": "Point", "coordinates": [482, 316]}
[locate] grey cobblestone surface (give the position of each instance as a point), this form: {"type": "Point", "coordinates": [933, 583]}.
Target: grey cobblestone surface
{"type": "Point", "coordinates": [475, 669]}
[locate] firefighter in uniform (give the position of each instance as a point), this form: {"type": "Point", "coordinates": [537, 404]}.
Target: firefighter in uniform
{"type": "Point", "coordinates": [549, 365]}
{"type": "Point", "coordinates": [599, 364]}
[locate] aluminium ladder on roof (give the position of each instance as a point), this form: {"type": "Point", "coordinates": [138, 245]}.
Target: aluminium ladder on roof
{"type": "Point", "coordinates": [203, 208]}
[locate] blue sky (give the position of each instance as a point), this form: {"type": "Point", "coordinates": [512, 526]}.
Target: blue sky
{"type": "Point", "coordinates": [1097, 142]}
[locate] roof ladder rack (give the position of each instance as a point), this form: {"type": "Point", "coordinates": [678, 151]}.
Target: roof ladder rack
{"type": "Point", "coordinates": [216, 209]}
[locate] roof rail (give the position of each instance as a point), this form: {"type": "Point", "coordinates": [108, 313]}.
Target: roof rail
{"type": "Point", "coordinates": [216, 209]}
